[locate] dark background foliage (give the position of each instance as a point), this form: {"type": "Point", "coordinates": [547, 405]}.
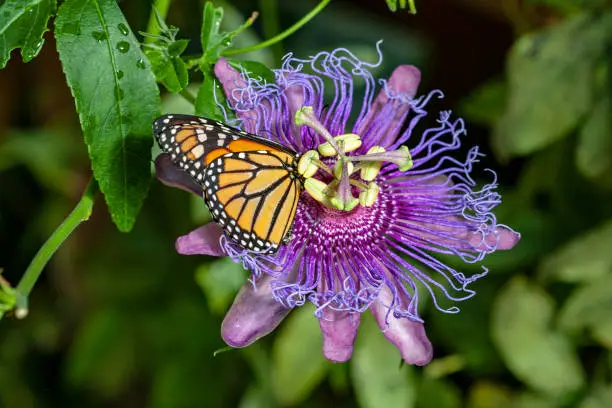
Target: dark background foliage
{"type": "Point", "coordinates": [119, 319]}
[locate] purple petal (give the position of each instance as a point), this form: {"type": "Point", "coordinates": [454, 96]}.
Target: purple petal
{"type": "Point", "coordinates": [253, 314]}
{"type": "Point", "coordinates": [233, 82]}
{"type": "Point", "coordinates": [507, 237]}
{"type": "Point", "coordinates": [172, 176]}
{"type": "Point", "coordinates": [405, 334]}
{"type": "Point", "coordinates": [384, 121]}
{"type": "Point", "coordinates": [201, 241]}
{"type": "Point", "coordinates": [339, 330]}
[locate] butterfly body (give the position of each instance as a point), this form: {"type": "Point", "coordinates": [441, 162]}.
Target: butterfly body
{"type": "Point", "coordinates": [250, 184]}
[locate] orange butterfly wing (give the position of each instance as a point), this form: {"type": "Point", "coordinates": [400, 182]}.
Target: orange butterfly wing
{"type": "Point", "coordinates": [251, 185]}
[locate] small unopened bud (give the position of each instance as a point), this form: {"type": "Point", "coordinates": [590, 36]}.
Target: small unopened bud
{"type": "Point", "coordinates": [350, 141]}
{"type": "Point", "coordinates": [307, 166]}
{"type": "Point", "coordinates": [367, 197]}
{"type": "Point", "coordinates": [370, 170]}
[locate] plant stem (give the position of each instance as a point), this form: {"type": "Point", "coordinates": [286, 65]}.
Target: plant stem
{"type": "Point", "coordinates": [81, 213]}
{"type": "Point", "coordinates": [162, 7]}
{"type": "Point", "coordinates": [284, 34]}
{"type": "Point", "coordinates": [271, 24]}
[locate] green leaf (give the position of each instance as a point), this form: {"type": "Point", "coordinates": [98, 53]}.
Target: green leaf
{"type": "Point", "coordinates": [102, 354]}
{"type": "Point", "coordinates": [254, 69]}
{"type": "Point", "coordinates": [550, 87]}
{"type": "Point", "coordinates": [542, 358]}
{"type": "Point", "coordinates": [594, 150]}
{"type": "Point", "coordinates": [164, 52]}
{"type": "Point", "coordinates": [170, 71]}
{"type": "Point", "coordinates": [210, 99]}
{"type": "Point", "coordinates": [213, 41]}
{"type": "Point", "coordinates": [485, 394]}
{"type": "Point", "coordinates": [533, 400]}
{"type": "Point", "coordinates": [600, 397]}
{"type": "Point", "coordinates": [48, 155]}
{"type": "Point", "coordinates": [297, 360]}
{"type": "Point", "coordinates": [22, 25]}
{"type": "Point", "coordinates": [220, 280]}
{"type": "Point", "coordinates": [586, 258]}
{"type": "Point", "coordinates": [211, 21]}
{"type": "Point", "coordinates": [378, 379]}
{"type": "Point", "coordinates": [116, 98]}
{"type": "Point", "coordinates": [436, 393]}
{"type": "Point", "coordinates": [486, 104]}
{"type": "Point", "coordinates": [590, 306]}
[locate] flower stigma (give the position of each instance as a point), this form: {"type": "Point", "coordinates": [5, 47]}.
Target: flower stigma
{"type": "Point", "coordinates": [337, 193]}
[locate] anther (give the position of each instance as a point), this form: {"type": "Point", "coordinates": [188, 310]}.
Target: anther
{"type": "Point", "coordinates": [307, 166]}
{"type": "Point", "coordinates": [350, 142]}
{"type": "Point", "coordinates": [370, 170]}
{"type": "Point", "coordinates": [367, 197]}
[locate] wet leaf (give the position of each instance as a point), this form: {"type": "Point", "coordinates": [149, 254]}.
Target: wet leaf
{"type": "Point", "coordinates": [116, 98]}
{"type": "Point", "coordinates": [22, 25]}
{"type": "Point", "coordinates": [542, 358]}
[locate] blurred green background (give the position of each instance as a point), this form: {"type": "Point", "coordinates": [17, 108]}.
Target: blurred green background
{"type": "Point", "coordinates": [122, 320]}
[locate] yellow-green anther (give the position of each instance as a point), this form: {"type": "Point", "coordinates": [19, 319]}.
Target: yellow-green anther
{"type": "Point", "coordinates": [302, 115]}
{"type": "Point", "coordinates": [406, 163]}
{"type": "Point", "coordinates": [318, 190]}
{"type": "Point", "coordinates": [307, 166]}
{"type": "Point", "coordinates": [338, 168]}
{"type": "Point", "coordinates": [367, 197]}
{"type": "Point", "coordinates": [370, 170]}
{"type": "Point", "coordinates": [349, 141]}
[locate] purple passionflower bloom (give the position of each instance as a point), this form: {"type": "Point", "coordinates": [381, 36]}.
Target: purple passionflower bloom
{"type": "Point", "coordinates": [369, 257]}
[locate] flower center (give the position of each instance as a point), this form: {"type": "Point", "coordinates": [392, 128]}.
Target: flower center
{"type": "Point", "coordinates": [329, 230]}
{"type": "Point", "coordinates": [342, 169]}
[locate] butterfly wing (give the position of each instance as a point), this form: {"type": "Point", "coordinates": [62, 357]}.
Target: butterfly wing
{"type": "Point", "coordinates": [253, 195]}
{"type": "Point", "coordinates": [250, 184]}
{"type": "Point", "coordinates": [194, 142]}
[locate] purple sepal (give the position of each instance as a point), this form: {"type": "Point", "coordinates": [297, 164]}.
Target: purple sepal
{"type": "Point", "coordinates": [201, 241]}
{"type": "Point", "coordinates": [253, 314]}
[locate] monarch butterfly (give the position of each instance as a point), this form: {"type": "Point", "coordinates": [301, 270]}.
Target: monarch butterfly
{"type": "Point", "coordinates": [251, 185]}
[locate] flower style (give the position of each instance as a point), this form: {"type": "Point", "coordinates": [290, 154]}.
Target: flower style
{"type": "Point", "coordinates": [373, 254]}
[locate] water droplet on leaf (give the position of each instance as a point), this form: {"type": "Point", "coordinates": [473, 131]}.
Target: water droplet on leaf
{"type": "Point", "coordinates": [123, 29]}
{"type": "Point", "coordinates": [123, 46]}
{"type": "Point", "coordinates": [99, 35]}
{"type": "Point", "coordinates": [141, 64]}
{"type": "Point", "coordinates": [30, 52]}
